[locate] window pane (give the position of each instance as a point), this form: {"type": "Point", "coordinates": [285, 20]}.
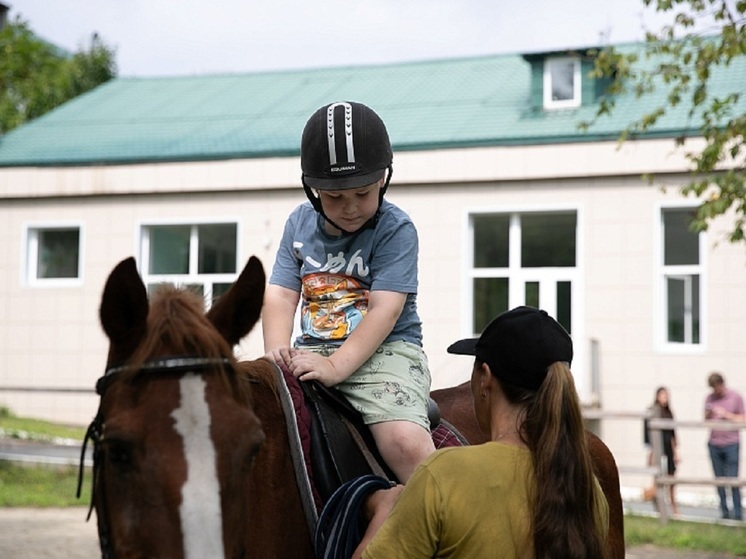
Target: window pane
{"type": "Point", "coordinates": [490, 299]}
{"type": "Point", "coordinates": [169, 249]}
{"type": "Point", "coordinates": [217, 249]}
{"type": "Point", "coordinates": [676, 311]}
{"type": "Point", "coordinates": [532, 294]}
{"type": "Point", "coordinates": [152, 288]}
{"type": "Point", "coordinates": [683, 309]}
{"type": "Point", "coordinates": [548, 239]}
{"type": "Point", "coordinates": [58, 253]}
{"type": "Point", "coordinates": [197, 288]}
{"type": "Point", "coordinates": [219, 289]}
{"type": "Point", "coordinates": [564, 305]}
{"type": "Point", "coordinates": [695, 309]}
{"type": "Point", "coordinates": [681, 244]}
{"type": "Point", "coordinates": [562, 74]}
{"type": "Point", "coordinates": [491, 240]}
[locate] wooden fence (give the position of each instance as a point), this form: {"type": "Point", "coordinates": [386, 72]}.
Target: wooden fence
{"type": "Point", "coordinates": [661, 479]}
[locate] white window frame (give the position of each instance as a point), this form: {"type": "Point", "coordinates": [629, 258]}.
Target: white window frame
{"type": "Point", "coordinates": [518, 275]}
{"type": "Point", "coordinates": [192, 277]}
{"type": "Point", "coordinates": [575, 101]}
{"type": "Point", "coordinates": [684, 272]}
{"type": "Point", "coordinates": [30, 254]}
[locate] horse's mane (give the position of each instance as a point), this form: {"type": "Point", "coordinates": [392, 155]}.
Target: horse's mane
{"type": "Point", "coordinates": [261, 371]}
{"type": "Point", "coordinates": [177, 326]}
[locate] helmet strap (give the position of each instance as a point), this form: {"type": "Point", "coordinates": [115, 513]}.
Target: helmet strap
{"type": "Point", "coordinates": [316, 203]}
{"type": "Point", "coordinates": [385, 186]}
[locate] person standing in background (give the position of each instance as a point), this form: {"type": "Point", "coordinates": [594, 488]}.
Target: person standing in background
{"type": "Point", "coordinates": [723, 404]}
{"type": "Point", "coordinates": [661, 409]}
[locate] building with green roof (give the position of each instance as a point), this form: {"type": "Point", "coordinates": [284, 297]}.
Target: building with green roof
{"type": "Point", "coordinates": [514, 203]}
{"type": "Point", "coordinates": [442, 104]}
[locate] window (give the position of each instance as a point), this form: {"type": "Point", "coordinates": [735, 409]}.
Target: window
{"type": "Point", "coordinates": [527, 258]}
{"type": "Point", "coordinates": [53, 255]}
{"type": "Point", "coordinates": [561, 83]}
{"type": "Point", "coordinates": [680, 274]}
{"type": "Point", "coordinates": [201, 256]}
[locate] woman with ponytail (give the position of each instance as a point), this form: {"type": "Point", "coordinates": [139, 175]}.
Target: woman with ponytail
{"type": "Point", "coordinates": [529, 492]}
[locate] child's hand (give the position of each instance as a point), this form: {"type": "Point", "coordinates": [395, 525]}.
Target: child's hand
{"type": "Point", "coordinates": [307, 365]}
{"type": "Point", "coordinates": [281, 356]}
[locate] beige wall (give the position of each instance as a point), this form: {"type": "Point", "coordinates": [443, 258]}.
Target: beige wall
{"type": "Point", "coordinates": [50, 337]}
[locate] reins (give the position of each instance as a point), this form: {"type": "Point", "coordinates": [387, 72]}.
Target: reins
{"type": "Point", "coordinates": [341, 526]}
{"type": "Point", "coordinates": [95, 431]}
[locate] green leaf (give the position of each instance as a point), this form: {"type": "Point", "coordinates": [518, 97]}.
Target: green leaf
{"type": "Point", "coordinates": [36, 77]}
{"type": "Point", "coordinates": [680, 58]}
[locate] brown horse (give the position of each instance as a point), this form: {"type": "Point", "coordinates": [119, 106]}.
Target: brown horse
{"type": "Point", "coordinates": [182, 468]}
{"type": "Point", "coordinates": [457, 408]}
{"type": "Point", "coordinates": [175, 434]}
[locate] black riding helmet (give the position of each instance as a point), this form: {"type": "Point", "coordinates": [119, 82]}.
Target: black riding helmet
{"type": "Point", "coordinates": [344, 145]}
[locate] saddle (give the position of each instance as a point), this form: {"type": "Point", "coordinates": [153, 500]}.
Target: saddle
{"type": "Point", "coordinates": [342, 446]}
{"type": "Point", "coordinates": [331, 444]}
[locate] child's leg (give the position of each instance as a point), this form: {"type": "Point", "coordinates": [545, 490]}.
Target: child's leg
{"type": "Point", "coordinates": [403, 445]}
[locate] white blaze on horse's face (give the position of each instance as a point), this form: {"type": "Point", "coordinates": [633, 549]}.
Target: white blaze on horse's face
{"type": "Point", "coordinates": [200, 510]}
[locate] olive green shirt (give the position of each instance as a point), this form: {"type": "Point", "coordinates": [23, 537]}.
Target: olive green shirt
{"type": "Point", "coordinates": [466, 502]}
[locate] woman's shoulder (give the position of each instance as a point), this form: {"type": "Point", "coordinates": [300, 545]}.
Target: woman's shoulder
{"type": "Point", "coordinates": [656, 410]}
{"type": "Point", "coordinates": [466, 456]}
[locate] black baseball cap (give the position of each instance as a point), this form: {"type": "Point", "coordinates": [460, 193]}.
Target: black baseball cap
{"type": "Point", "coordinates": [519, 345]}
{"type": "Point", "coordinates": [344, 145]}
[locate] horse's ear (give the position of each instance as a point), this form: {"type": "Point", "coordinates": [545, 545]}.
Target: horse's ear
{"type": "Point", "coordinates": [124, 309]}
{"type": "Point", "coordinates": [238, 310]}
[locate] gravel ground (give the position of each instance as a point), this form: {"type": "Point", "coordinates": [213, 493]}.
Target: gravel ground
{"type": "Point", "coordinates": [48, 533]}
{"type": "Point", "coordinates": [64, 534]}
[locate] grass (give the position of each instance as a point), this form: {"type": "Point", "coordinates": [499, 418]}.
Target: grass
{"type": "Point", "coordinates": [36, 429]}
{"type": "Point", "coordinates": [691, 536]}
{"type": "Point", "coordinates": [42, 486]}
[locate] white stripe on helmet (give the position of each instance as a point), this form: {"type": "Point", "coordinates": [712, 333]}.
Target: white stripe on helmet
{"type": "Point", "coordinates": [331, 135]}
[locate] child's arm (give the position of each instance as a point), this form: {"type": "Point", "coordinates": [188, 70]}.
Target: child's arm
{"type": "Point", "coordinates": [278, 314]}
{"type": "Point", "coordinates": [384, 308]}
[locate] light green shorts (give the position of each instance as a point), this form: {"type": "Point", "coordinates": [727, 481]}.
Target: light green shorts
{"type": "Point", "coordinates": [393, 385]}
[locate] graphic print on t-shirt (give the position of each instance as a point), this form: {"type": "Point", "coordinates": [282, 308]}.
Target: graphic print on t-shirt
{"type": "Point", "coordinates": [333, 305]}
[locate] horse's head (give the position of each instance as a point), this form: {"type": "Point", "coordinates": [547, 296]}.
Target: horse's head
{"type": "Point", "coordinates": [176, 432]}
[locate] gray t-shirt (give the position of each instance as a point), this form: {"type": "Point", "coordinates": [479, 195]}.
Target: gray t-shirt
{"type": "Point", "coordinates": [336, 274]}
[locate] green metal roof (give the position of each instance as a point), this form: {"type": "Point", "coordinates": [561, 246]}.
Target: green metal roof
{"type": "Point", "coordinates": [479, 101]}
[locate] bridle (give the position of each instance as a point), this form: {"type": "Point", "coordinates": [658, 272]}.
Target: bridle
{"type": "Point", "coordinates": [167, 365]}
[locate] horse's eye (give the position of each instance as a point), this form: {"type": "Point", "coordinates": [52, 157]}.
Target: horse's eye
{"type": "Point", "coordinates": [251, 456]}
{"type": "Point", "coordinates": [118, 453]}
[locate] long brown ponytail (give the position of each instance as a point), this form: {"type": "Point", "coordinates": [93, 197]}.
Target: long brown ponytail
{"type": "Point", "coordinates": [564, 507]}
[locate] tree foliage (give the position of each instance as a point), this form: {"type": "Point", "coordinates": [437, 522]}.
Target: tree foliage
{"type": "Point", "coordinates": [36, 76]}
{"type": "Point", "coordinates": [705, 36]}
